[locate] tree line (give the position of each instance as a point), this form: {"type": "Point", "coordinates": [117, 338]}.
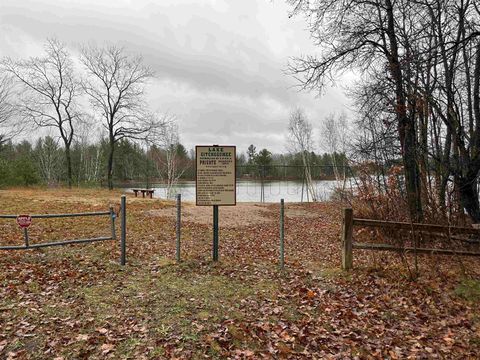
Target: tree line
{"type": "Point", "coordinates": [50, 91]}
{"type": "Point", "coordinates": [43, 162]}
{"type": "Point", "coordinates": [287, 166]}
{"type": "Point", "coordinates": [101, 128]}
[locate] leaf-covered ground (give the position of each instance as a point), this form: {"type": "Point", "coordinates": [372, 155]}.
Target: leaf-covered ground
{"type": "Point", "coordinates": [76, 302]}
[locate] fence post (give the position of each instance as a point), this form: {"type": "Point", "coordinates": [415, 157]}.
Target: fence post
{"type": "Point", "coordinates": [112, 222]}
{"type": "Point", "coordinates": [347, 229]}
{"type": "Point", "coordinates": [123, 240]}
{"type": "Point", "coordinates": [282, 234]}
{"type": "Point", "coordinates": [215, 232]}
{"type": "Point", "coordinates": [178, 229]}
{"type": "Point", "coordinates": [25, 235]}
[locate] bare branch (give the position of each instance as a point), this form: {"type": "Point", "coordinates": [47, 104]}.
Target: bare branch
{"type": "Point", "coordinates": [115, 86]}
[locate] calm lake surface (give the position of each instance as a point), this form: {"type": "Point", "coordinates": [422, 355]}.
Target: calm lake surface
{"type": "Point", "coordinates": [250, 190]}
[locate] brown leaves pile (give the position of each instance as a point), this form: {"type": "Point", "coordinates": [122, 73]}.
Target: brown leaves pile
{"type": "Point", "coordinates": [76, 301]}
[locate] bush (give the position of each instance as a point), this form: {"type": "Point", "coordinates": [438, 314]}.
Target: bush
{"type": "Point", "coordinates": [379, 197]}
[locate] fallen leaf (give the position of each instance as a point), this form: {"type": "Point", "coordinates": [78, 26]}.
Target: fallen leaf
{"type": "Point", "coordinates": [106, 348]}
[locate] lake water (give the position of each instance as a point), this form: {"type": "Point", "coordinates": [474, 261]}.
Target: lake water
{"type": "Point", "coordinates": [250, 190]}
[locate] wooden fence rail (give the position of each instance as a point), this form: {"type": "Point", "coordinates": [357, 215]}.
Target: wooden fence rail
{"type": "Point", "coordinates": [348, 245]}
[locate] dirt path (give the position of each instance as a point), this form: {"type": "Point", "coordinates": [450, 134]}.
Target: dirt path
{"type": "Point", "coordinates": [243, 214]}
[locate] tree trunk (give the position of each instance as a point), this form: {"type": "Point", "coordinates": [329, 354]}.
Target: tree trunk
{"type": "Point", "coordinates": [308, 176]}
{"type": "Point", "coordinates": [110, 164]}
{"type": "Point", "coordinates": [412, 174]}
{"type": "Point", "coordinates": [467, 187]}
{"type": "Point", "coordinates": [406, 124]}
{"type": "Point", "coordinates": [469, 191]}
{"type": "Point", "coordinates": [68, 157]}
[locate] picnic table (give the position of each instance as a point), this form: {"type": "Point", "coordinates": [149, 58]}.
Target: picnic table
{"type": "Point", "coordinates": [149, 192]}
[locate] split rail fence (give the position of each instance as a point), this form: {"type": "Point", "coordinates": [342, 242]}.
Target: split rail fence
{"type": "Point", "coordinates": [348, 245]}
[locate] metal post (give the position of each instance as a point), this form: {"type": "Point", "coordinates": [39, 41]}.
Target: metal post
{"type": "Point", "coordinates": [306, 185]}
{"type": "Point", "coordinates": [25, 235]}
{"type": "Point", "coordinates": [178, 229]}
{"type": "Point", "coordinates": [112, 222]}
{"type": "Point", "coordinates": [123, 240]}
{"type": "Point", "coordinates": [282, 234]}
{"type": "Point", "coordinates": [303, 182]}
{"type": "Point", "coordinates": [147, 185]}
{"type": "Point", "coordinates": [347, 230]}
{"type": "Point", "coordinates": [215, 232]}
{"type": "Point", "coordinates": [261, 183]}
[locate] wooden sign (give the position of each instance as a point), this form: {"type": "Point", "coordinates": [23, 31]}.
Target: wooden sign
{"type": "Point", "coordinates": [215, 175]}
{"type": "Point", "coordinates": [24, 221]}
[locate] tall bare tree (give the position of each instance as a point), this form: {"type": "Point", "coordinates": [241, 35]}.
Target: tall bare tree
{"type": "Point", "coordinates": [90, 154]}
{"type": "Point", "coordinates": [116, 86]}
{"type": "Point", "coordinates": [164, 152]}
{"type": "Point", "coordinates": [48, 159]}
{"type": "Point", "coordinates": [301, 141]}
{"type": "Point", "coordinates": [334, 139]}
{"type": "Point", "coordinates": [359, 35]}
{"type": "Point", "coordinates": [50, 92]}
{"type": "Point", "coordinates": [421, 65]}
{"type": "Point", "coordinates": [7, 110]}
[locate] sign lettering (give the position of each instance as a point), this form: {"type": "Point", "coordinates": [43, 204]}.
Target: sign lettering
{"type": "Point", "coordinates": [215, 175]}
{"type": "Point", "coordinates": [24, 221]}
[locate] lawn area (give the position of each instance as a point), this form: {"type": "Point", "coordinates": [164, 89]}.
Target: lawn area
{"type": "Point", "coordinates": [77, 302]}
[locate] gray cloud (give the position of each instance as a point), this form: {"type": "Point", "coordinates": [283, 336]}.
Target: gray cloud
{"type": "Point", "coordinates": [218, 63]}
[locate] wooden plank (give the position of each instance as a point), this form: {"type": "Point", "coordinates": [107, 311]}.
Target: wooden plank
{"type": "Point", "coordinates": [388, 247]}
{"type": "Point", "coordinates": [416, 226]}
{"type": "Point", "coordinates": [347, 230]}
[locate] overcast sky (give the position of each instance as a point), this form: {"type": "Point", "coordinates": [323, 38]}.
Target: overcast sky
{"type": "Point", "coordinates": [219, 64]}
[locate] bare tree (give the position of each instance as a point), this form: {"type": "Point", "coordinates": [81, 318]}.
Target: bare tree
{"type": "Point", "coordinates": [116, 84]}
{"type": "Point", "coordinates": [50, 92]}
{"type": "Point", "coordinates": [334, 135]}
{"type": "Point", "coordinates": [8, 127]}
{"type": "Point", "coordinates": [359, 35]}
{"type": "Point", "coordinates": [91, 155]}
{"type": "Point", "coordinates": [165, 155]}
{"type": "Point", "coordinates": [48, 158]}
{"type": "Point", "coordinates": [375, 135]}
{"type": "Point", "coordinates": [421, 62]}
{"type": "Point", "coordinates": [301, 141]}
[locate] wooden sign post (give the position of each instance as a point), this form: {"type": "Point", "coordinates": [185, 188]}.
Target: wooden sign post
{"type": "Point", "coordinates": [215, 181]}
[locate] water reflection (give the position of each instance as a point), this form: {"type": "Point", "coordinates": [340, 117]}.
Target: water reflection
{"type": "Point", "coordinates": [251, 191]}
